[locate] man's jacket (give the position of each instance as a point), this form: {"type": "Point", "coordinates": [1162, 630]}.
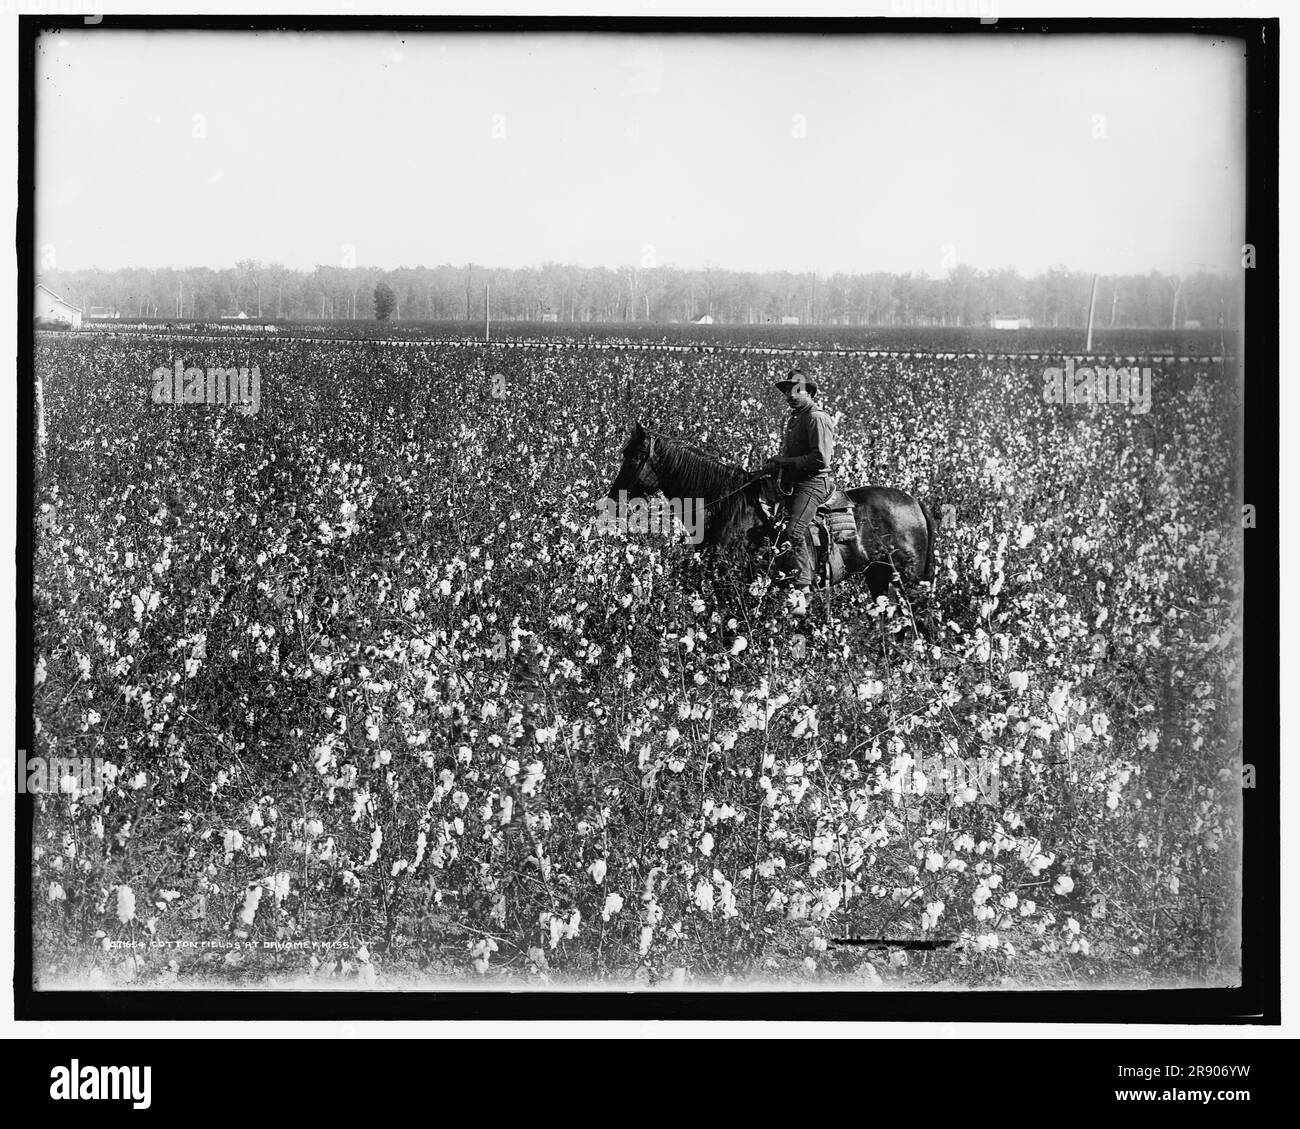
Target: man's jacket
{"type": "Point", "coordinates": [810, 442]}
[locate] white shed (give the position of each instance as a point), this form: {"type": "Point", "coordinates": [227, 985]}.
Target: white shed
{"type": "Point", "coordinates": [1010, 321]}
{"type": "Point", "coordinates": [50, 309]}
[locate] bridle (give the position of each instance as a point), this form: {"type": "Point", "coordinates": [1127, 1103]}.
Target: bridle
{"type": "Point", "coordinates": [653, 484]}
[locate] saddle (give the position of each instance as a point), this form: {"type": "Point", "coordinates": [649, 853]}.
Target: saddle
{"type": "Point", "coordinates": [835, 518]}
{"type": "Point", "coordinates": [838, 502]}
{"type": "Point", "coordinates": [833, 524]}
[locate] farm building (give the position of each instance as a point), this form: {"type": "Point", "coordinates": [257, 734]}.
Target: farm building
{"type": "Point", "coordinates": [50, 309]}
{"type": "Point", "coordinates": [549, 314]}
{"type": "Point", "coordinates": [1010, 321]}
{"type": "Point", "coordinates": [789, 320]}
{"type": "Point", "coordinates": [104, 312]}
{"type": "Point", "coordinates": [703, 319]}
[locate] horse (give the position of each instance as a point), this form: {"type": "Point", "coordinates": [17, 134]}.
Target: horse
{"type": "Point", "coordinates": [895, 532]}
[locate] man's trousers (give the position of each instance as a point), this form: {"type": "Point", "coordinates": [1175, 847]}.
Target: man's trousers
{"type": "Point", "coordinates": [795, 558]}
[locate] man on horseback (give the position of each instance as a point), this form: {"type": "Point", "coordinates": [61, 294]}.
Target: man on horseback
{"type": "Point", "coordinates": [803, 468]}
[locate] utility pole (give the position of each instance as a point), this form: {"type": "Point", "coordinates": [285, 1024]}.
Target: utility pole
{"type": "Point", "coordinates": [487, 328]}
{"type": "Point", "coordinates": [1092, 310]}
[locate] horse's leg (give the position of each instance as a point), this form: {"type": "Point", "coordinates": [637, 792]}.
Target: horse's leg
{"type": "Point", "coordinates": [879, 575]}
{"type": "Point", "coordinates": [884, 578]}
{"type": "Point", "coordinates": [915, 565]}
{"type": "Point", "coordinates": [919, 627]}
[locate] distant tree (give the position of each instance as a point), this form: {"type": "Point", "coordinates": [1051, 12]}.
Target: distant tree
{"type": "Point", "coordinates": [662, 293]}
{"type": "Point", "coordinates": [251, 267]}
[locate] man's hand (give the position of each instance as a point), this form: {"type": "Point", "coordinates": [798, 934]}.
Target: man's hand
{"type": "Point", "coordinates": [774, 464]}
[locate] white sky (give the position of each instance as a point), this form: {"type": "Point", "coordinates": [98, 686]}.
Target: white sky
{"type": "Point", "coordinates": [198, 149]}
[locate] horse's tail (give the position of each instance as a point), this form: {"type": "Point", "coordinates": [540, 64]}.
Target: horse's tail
{"type": "Point", "coordinates": [927, 573]}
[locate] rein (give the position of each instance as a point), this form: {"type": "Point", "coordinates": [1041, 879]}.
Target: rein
{"type": "Point", "coordinates": [737, 490]}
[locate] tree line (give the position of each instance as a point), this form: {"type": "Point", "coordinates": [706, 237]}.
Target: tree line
{"type": "Point", "coordinates": [1058, 297]}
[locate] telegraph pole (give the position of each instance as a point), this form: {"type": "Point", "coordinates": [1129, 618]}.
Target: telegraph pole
{"type": "Point", "coordinates": [1173, 313]}
{"type": "Point", "coordinates": [1092, 311]}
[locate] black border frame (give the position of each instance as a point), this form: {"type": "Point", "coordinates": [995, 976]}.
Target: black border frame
{"type": "Point", "coordinates": [1257, 1000]}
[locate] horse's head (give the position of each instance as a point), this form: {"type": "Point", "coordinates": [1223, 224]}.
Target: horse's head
{"type": "Point", "coordinates": [636, 477]}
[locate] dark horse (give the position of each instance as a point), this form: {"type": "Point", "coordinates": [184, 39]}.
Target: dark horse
{"type": "Point", "coordinates": [895, 531]}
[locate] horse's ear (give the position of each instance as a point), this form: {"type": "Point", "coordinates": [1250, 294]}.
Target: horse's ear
{"type": "Point", "coordinates": [639, 431]}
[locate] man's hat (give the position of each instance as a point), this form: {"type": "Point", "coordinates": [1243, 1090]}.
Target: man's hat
{"type": "Point", "coordinates": [794, 376]}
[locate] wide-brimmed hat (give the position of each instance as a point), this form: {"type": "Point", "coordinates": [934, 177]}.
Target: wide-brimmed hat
{"type": "Point", "coordinates": [795, 376]}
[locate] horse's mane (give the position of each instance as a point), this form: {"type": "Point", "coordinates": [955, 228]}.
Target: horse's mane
{"type": "Point", "coordinates": [691, 471]}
